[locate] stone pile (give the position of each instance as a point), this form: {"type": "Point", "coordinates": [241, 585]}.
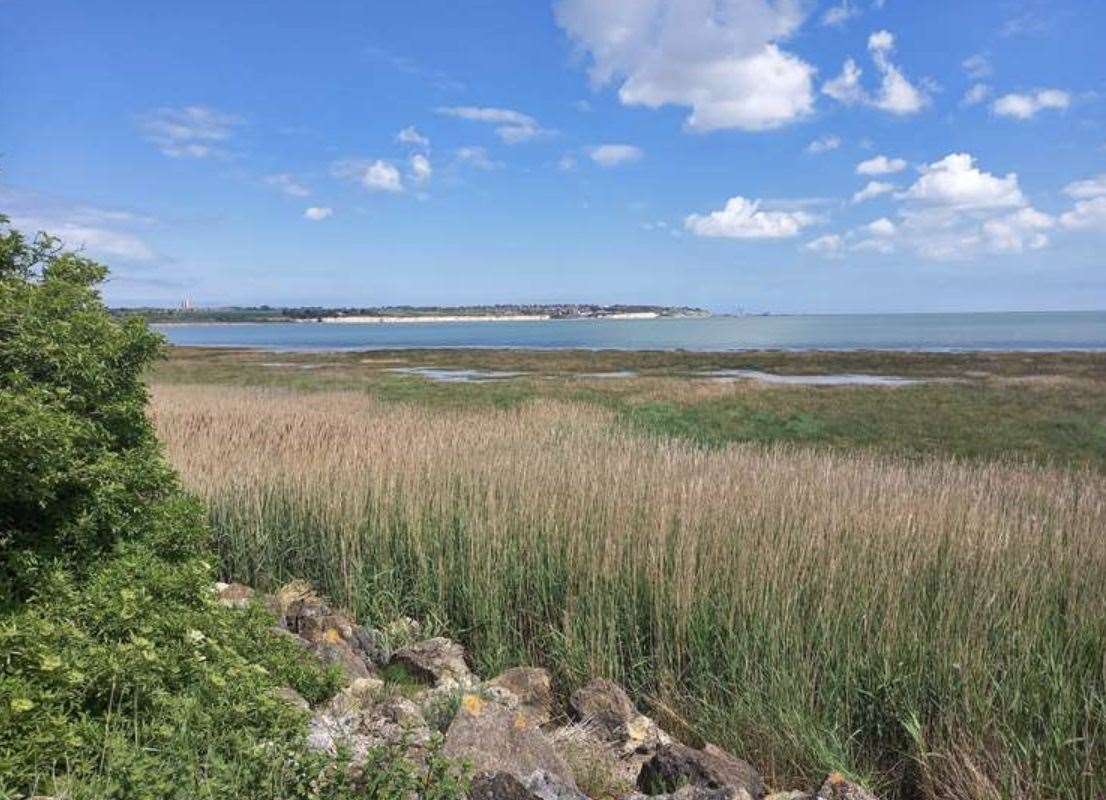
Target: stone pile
{"type": "Point", "coordinates": [402, 690]}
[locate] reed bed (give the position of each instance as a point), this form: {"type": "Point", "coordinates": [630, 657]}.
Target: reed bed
{"type": "Point", "coordinates": [936, 628]}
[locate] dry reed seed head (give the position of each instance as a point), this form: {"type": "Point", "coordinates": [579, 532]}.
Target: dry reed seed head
{"type": "Point", "coordinates": [788, 575]}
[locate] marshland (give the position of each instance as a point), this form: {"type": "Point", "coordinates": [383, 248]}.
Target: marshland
{"type": "Point", "coordinates": [903, 582]}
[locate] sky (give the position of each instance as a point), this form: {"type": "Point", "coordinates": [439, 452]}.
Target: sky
{"type": "Point", "coordinates": [757, 155]}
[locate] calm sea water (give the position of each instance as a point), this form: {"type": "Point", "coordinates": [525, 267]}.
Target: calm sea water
{"type": "Point", "coordinates": [1076, 330]}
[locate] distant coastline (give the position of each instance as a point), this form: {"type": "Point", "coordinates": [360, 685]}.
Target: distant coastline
{"type": "Point", "coordinates": [407, 314]}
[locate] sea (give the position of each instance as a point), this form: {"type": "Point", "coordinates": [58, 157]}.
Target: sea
{"type": "Point", "coordinates": [1017, 331]}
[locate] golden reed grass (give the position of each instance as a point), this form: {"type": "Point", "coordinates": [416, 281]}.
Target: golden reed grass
{"type": "Point", "coordinates": [935, 627]}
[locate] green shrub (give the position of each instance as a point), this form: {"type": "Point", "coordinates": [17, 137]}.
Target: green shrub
{"type": "Point", "coordinates": [120, 676]}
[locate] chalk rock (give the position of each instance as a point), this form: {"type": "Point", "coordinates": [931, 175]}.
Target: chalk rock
{"type": "Point", "coordinates": [233, 595]}
{"type": "Point", "coordinates": [436, 662]}
{"type": "Point", "coordinates": [498, 740]}
{"type": "Point", "coordinates": [604, 705]}
{"type": "Point", "coordinates": [837, 787]}
{"type": "Point", "coordinates": [696, 793]}
{"type": "Point", "coordinates": [527, 688]}
{"type": "Point", "coordinates": [675, 765]}
{"type": "Point", "coordinates": [505, 786]}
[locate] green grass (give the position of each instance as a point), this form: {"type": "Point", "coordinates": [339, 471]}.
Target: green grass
{"type": "Point", "coordinates": [936, 628]}
{"type": "Point", "coordinates": [1045, 408]}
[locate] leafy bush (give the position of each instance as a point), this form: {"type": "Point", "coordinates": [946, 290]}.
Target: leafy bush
{"type": "Point", "coordinates": [120, 676]}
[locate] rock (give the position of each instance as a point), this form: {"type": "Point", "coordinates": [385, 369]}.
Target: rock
{"type": "Point", "coordinates": [838, 787]}
{"type": "Point", "coordinates": [674, 765]}
{"type": "Point", "coordinates": [361, 693]}
{"type": "Point", "coordinates": [792, 795]}
{"type": "Point", "coordinates": [370, 644]}
{"type": "Point", "coordinates": [299, 613]}
{"type": "Point", "coordinates": [498, 786]}
{"type": "Point", "coordinates": [600, 766]}
{"type": "Point", "coordinates": [291, 697]}
{"type": "Point", "coordinates": [602, 702]}
{"type": "Point", "coordinates": [696, 793]}
{"type": "Point", "coordinates": [361, 717]}
{"type": "Point", "coordinates": [233, 595]}
{"type": "Point", "coordinates": [606, 706]}
{"type": "Point", "coordinates": [436, 662]}
{"type": "Point", "coordinates": [495, 739]}
{"type": "Point", "coordinates": [341, 655]}
{"type": "Point", "coordinates": [505, 786]}
{"type": "Point", "coordinates": [530, 688]}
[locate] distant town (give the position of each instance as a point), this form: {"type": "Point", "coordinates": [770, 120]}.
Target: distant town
{"type": "Point", "coordinates": [186, 312]}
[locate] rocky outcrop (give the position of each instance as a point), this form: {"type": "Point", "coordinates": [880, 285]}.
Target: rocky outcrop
{"type": "Point", "coordinates": [605, 706]}
{"type": "Point", "coordinates": [402, 690]}
{"type": "Point", "coordinates": [526, 688]}
{"type": "Point", "coordinates": [436, 662]}
{"type": "Point", "coordinates": [837, 787]}
{"type": "Point", "coordinates": [233, 595]}
{"type": "Point", "coordinates": [675, 765]}
{"type": "Point", "coordinates": [495, 740]}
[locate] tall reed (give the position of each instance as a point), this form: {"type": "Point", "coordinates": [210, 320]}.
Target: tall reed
{"type": "Point", "coordinates": [936, 628]}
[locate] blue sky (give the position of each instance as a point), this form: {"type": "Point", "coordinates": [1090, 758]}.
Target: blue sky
{"type": "Point", "coordinates": [784, 156]}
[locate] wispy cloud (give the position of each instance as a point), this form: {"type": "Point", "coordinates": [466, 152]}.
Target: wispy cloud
{"type": "Point", "coordinates": [823, 144]}
{"type": "Point", "coordinates": [613, 155]}
{"type": "Point", "coordinates": [408, 66]}
{"type": "Point", "coordinates": [477, 158]}
{"type": "Point", "coordinates": [287, 184]}
{"type": "Point", "coordinates": [189, 132]}
{"type": "Point", "coordinates": [511, 126]}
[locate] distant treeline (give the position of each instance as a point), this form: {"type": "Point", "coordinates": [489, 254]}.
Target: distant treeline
{"type": "Point", "coordinates": [267, 313]}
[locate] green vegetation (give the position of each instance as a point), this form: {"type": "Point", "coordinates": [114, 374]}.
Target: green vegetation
{"type": "Point", "coordinates": [120, 676]}
{"type": "Point", "coordinates": [1040, 407]}
{"type": "Point", "coordinates": [935, 627]}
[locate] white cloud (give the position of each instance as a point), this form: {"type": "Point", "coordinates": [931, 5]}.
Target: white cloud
{"type": "Point", "coordinates": [873, 189]}
{"type": "Point", "coordinates": [840, 14]}
{"type": "Point", "coordinates": [1017, 232]}
{"type": "Point", "coordinates": [189, 132]}
{"type": "Point", "coordinates": [612, 155]}
{"type": "Point", "coordinates": [511, 126]}
{"type": "Point", "coordinates": [881, 246]}
{"type": "Point", "coordinates": [76, 233]}
{"type": "Point", "coordinates": [846, 88]}
{"type": "Point", "coordinates": [411, 136]}
{"type": "Point", "coordinates": [1086, 215]}
{"type": "Point", "coordinates": [743, 219]}
{"type": "Point", "coordinates": [829, 245]}
{"type": "Point", "coordinates": [420, 168]}
{"type": "Point", "coordinates": [317, 213]}
{"type": "Point", "coordinates": [721, 59]}
{"type": "Point", "coordinates": [896, 94]}
{"type": "Point", "coordinates": [1026, 106]}
{"type": "Point", "coordinates": [824, 144]}
{"type": "Point", "coordinates": [976, 94]}
{"type": "Point", "coordinates": [977, 66]}
{"type": "Point", "coordinates": [957, 183]}
{"type": "Point", "coordinates": [882, 227]}
{"type": "Point", "coordinates": [566, 163]}
{"type": "Point", "coordinates": [378, 175]}
{"type": "Point", "coordinates": [955, 211]}
{"type": "Point", "coordinates": [880, 165]}
{"type": "Point", "coordinates": [287, 184]}
{"type": "Point", "coordinates": [1085, 189]}
{"type": "Point", "coordinates": [476, 157]}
